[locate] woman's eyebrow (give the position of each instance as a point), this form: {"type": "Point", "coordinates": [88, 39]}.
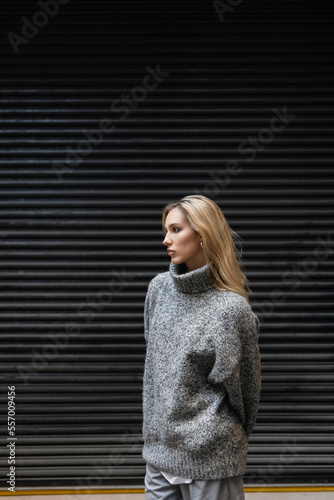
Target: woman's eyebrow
{"type": "Point", "coordinates": [174, 224]}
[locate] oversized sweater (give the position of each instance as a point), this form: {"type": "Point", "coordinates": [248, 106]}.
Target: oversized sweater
{"type": "Point", "coordinates": [201, 384]}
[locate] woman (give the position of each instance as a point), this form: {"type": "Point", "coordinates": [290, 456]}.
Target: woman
{"type": "Point", "coordinates": [202, 369]}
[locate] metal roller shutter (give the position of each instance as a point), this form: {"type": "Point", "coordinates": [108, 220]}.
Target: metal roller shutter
{"type": "Point", "coordinates": [80, 218]}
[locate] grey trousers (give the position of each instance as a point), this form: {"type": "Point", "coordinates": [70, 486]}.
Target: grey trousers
{"type": "Point", "coordinates": [157, 488]}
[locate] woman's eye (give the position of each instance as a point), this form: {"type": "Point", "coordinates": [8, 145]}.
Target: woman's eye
{"type": "Point", "coordinates": [175, 229]}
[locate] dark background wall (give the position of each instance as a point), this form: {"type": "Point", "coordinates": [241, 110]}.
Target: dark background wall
{"type": "Point", "coordinates": [108, 111]}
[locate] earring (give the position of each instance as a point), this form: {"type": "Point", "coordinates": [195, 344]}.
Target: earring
{"type": "Point", "coordinates": [202, 244]}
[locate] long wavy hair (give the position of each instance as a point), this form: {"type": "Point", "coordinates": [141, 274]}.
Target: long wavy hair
{"type": "Point", "coordinates": [221, 245]}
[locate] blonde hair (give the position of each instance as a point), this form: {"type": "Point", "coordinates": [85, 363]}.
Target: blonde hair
{"type": "Point", "coordinates": [220, 242]}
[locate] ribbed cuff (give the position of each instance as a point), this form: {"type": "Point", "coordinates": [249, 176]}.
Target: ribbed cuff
{"type": "Point", "coordinates": [216, 465]}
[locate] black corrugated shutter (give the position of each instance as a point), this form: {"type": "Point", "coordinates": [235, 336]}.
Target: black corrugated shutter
{"type": "Point", "coordinates": [81, 237]}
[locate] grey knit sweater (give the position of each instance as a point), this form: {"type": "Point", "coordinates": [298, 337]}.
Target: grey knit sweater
{"type": "Point", "coordinates": [202, 382]}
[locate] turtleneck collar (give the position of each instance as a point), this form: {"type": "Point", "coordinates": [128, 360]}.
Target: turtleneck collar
{"type": "Point", "coordinates": [190, 281]}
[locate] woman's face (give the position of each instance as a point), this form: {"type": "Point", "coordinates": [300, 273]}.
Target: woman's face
{"type": "Point", "coordinates": [183, 240]}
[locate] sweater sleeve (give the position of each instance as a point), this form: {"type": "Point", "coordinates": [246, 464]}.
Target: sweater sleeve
{"type": "Point", "coordinates": [237, 365]}
{"type": "Point", "coordinates": [147, 308]}
{"type": "Point", "coordinates": [250, 367]}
